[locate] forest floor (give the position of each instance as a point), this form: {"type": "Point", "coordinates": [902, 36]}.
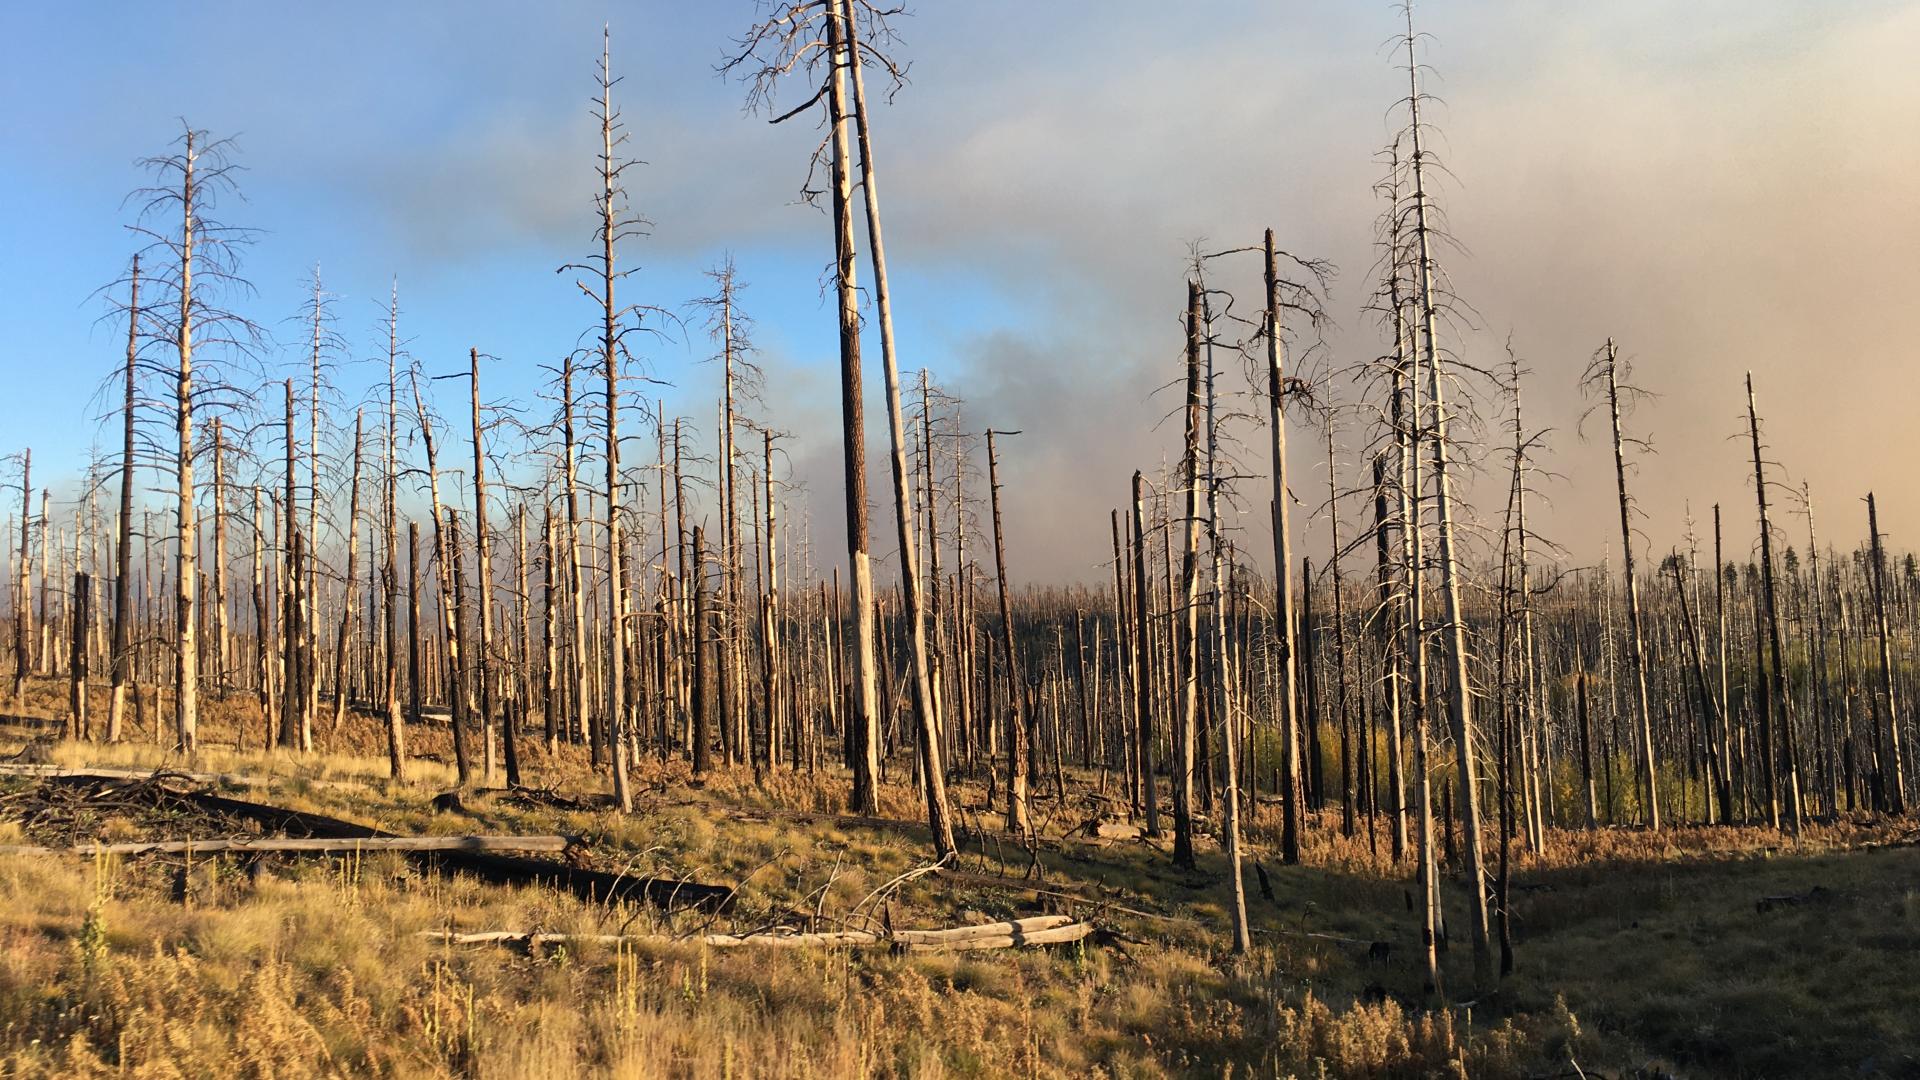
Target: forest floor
{"type": "Point", "coordinates": [1726, 952]}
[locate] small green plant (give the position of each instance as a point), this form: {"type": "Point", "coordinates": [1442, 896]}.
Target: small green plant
{"type": "Point", "coordinates": [92, 939]}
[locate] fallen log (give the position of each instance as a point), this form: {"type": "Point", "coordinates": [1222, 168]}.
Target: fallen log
{"type": "Point", "coordinates": [1059, 935]}
{"type": "Point", "coordinates": [966, 834]}
{"type": "Point", "coordinates": [593, 886]}
{"type": "Point", "coordinates": [1038, 930]}
{"type": "Point", "coordinates": [1819, 893]}
{"type": "Point", "coordinates": [109, 772]}
{"type": "Point", "coordinates": [996, 881]}
{"type": "Point", "coordinates": [306, 845]}
{"type": "Point", "coordinates": [515, 937]}
{"type": "Point", "coordinates": [978, 931]}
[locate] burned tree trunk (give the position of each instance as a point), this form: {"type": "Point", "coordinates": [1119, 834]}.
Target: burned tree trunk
{"type": "Point", "coordinates": [1776, 758]}
{"type": "Point", "coordinates": [1019, 818]}
{"type": "Point", "coordinates": [483, 558]}
{"type": "Point", "coordinates": [353, 559]}
{"type": "Point", "coordinates": [1892, 778]}
{"type": "Point", "coordinates": [1459, 682]}
{"type": "Point", "coordinates": [939, 816]}
{"type": "Point", "coordinates": [23, 588]}
{"type": "Point", "coordinates": [186, 679]}
{"type": "Point", "coordinates": [396, 732]}
{"type": "Point", "coordinates": [1184, 734]}
{"type": "Point", "coordinates": [1292, 805]}
{"type": "Point", "coordinates": [1636, 640]}
{"type": "Point", "coordinates": [1143, 659]}
{"type": "Point", "coordinates": [122, 655]}
{"type": "Point", "coordinates": [865, 719]}
{"type": "Point", "coordinates": [79, 725]}
{"type": "Point", "coordinates": [702, 617]}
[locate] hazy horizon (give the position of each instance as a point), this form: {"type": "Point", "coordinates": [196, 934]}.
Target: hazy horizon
{"type": "Point", "coordinates": [1716, 187]}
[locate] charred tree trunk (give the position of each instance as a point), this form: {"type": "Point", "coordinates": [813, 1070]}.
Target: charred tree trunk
{"type": "Point", "coordinates": [340, 637]}
{"type": "Point", "coordinates": [1777, 754]}
{"type": "Point", "coordinates": [1892, 779]}
{"type": "Point", "coordinates": [1143, 659]}
{"type": "Point", "coordinates": [1292, 807]}
{"type": "Point", "coordinates": [1019, 818]}
{"type": "Point", "coordinates": [1185, 732]}
{"type": "Point", "coordinates": [122, 656]}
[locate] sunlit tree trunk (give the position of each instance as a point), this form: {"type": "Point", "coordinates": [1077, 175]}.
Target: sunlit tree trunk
{"type": "Point", "coordinates": [932, 765]}
{"type": "Point", "coordinates": [864, 746]}
{"type": "Point", "coordinates": [1292, 807]}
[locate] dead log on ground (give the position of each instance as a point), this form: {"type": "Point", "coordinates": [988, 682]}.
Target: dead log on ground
{"type": "Point", "coordinates": [594, 886]}
{"type": "Point", "coordinates": [1038, 930]}
{"type": "Point", "coordinates": [306, 845]}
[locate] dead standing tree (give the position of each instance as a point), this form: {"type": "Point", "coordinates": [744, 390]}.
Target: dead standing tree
{"type": "Point", "coordinates": [22, 600]}
{"type": "Point", "coordinates": [1019, 816]}
{"type": "Point", "coordinates": [741, 379]}
{"type": "Point", "coordinates": [1776, 713]}
{"type": "Point", "coordinates": [324, 344]}
{"type": "Point", "coordinates": [1283, 296]}
{"type": "Point", "coordinates": [486, 662]}
{"type": "Point", "coordinates": [1429, 361]}
{"type": "Point", "coordinates": [803, 35]}
{"type": "Point", "coordinates": [1184, 732]}
{"type": "Point", "coordinates": [1603, 378]}
{"type": "Point", "coordinates": [613, 224]}
{"type": "Point", "coordinates": [446, 576]}
{"type": "Point", "coordinates": [1890, 778]}
{"type": "Point", "coordinates": [198, 266]}
{"type": "Point", "coordinates": [1520, 720]}
{"type": "Point", "coordinates": [122, 647]}
{"type": "Point", "coordinates": [933, 768]}
{"type": "Point", "coordinates": [390, 572]}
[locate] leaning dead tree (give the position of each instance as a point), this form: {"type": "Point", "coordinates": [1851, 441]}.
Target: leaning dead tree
{"type": "Point", "coordinates": [932, 765]}
{"type": "Point", "coordinates": [825, 40]}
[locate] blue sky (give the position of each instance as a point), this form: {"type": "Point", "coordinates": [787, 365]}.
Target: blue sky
{"type": "Point", "coordinates": [1720, 185]}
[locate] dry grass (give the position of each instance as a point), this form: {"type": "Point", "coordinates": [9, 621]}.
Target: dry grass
{"type": "Point", "coordinates": [1638, 954]}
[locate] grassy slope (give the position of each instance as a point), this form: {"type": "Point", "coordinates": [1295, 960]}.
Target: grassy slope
{"type": "Point", "coordinates": [1637, 954]}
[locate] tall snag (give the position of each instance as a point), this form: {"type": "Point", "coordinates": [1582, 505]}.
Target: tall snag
{"type": "Point", "coordinates": [805, 35]}
{"type": "Point", "coordinates": [1777, 754]}
{"type": "Point", "coordinates": [1460, 692]}
{"type": "Point", "coordinates": [613, 223]}
{"type": "Point", "coordinates": [1185, 731]}
{"type": "Point", "coordinates": [122, 654]}
{"type": "Point", "coordinates": [933, 768]}
{"type": "Point", "coordinates": [1019, 817]}
{"type": "Point", "coordinates": [1292, 804]}
{"type": "Point", "coordinates": [1603, 376]}
{"type": "Point", "coordinates": [1890, 783]}
{"type": "Point", "coordinates": [201, 261]}
{"type": "Point", "coordinates": [396, 729]}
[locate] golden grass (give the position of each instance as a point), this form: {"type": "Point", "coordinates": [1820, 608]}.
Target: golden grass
{"type": "Point", "coordinates": [1636, 951]}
